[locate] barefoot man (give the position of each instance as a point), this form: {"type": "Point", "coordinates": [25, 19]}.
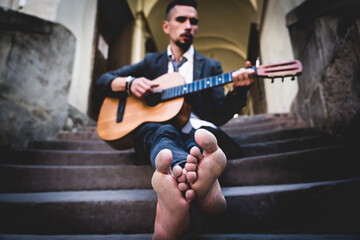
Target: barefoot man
{"type": "Point", "coordinates": [187, 160]}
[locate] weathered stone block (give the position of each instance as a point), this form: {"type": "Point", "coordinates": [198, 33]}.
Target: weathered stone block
{"type": "Point", "coordinates": [341, 82]}
{"type": "Point", "coordinates": [36, 59]}
{"type": "Point", "coordinates": [325, 36]}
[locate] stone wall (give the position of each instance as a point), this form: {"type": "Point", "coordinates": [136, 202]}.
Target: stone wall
{"type": "Point", "coordinates": [36, 59]}
{"type": "Point", "coordinates": [326, 37]}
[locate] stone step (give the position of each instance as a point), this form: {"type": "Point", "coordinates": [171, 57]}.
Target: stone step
{"type": "Point", "coordinates": [320, 207]}
{"type": "Point", "coordinates": [75, 145]}
{"type": "Point", "coordinates": [311, 165]}
{"type": "Point", "coordinates": [254, 120]}
{"type": "Point", "coordinates": [93, 145]}
{"type": "Point", "coordinates": [148, 236]}
{"type": "Point", "coordinates": [126, 157]}
{"type": "Point", "coordinates": [78, 135]}
{"type": "Point", "coordinates": [272, 135]}
{"type": "Point", "coordinates": [239, 121]}
{"type": "Point", "coordinates": [288, 145]}
{"type": "Point", "coordinates": [270, 124]}
{"type": "Point", "coordinates": [27, 178]}
{"type": "Point", "coordinates": [263, 127]}
{"type": "Point", "coordinates": [318, 164]}
{"type": "Point", "coordinates": [67, 157]}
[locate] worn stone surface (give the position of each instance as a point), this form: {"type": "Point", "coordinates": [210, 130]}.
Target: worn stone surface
{"type": "Point", "coordinates": [320, 207]}
{"type": "Point", "coordinates": [77, 120]}
{"type": "Point", "coordinates": [341, 82]}
{"type": "Point", "coordinates": [325, 36]}
{"type": "Point", "coordinates": [36, 60]}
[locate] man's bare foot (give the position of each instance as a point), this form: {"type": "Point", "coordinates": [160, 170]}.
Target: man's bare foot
{"type": "Point", "coordinates": [203, 171]}
{"type": "Point", "coordinates": [172, 210]}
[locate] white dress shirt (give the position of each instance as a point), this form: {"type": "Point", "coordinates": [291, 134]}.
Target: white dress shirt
{"type": "Point", "coordinates": [186, 71]}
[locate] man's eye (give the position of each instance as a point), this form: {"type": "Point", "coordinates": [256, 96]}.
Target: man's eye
{"type": "Point", "coordinates": [194, 21]}
{"type": "Point", "coordinates": [181, 19]}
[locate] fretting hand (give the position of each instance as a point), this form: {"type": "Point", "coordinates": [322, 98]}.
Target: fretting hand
{"type": "Point", "coordinates": [243, 77]}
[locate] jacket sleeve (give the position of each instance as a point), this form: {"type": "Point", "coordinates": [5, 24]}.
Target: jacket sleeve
{"type": "Point", "coordinates": [103, 84]}
{"type": "Point", "coordinates": [227, 106]}
{"type": "Point", "coordinates": [223, 107]}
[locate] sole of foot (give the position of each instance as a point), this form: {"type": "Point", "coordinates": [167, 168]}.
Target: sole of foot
{"type": "Point", "coordinates": [172, 210]}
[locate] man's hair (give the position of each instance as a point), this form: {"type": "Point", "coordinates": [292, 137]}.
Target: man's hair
{"type": "Point", "coordinates": [173, 3]}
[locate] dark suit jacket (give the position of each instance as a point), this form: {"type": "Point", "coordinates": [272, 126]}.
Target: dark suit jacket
{"type": "Point", "coordinates": [211, 104]}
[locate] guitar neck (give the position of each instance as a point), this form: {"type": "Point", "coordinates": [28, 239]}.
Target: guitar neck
{"type": "Point", "coordinates": [283, 69]}
{"type": "Point", "coordinates": [196, 86]}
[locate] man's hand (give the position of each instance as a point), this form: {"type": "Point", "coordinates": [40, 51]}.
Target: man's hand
{"type": "Point", "coordinates": [142, 87]}
{"type": "Point", "coordinates": [243, 78]}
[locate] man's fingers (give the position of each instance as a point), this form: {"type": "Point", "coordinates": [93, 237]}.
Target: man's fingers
{"type": "Point", "coordinates": [142, 87]}
{"type": "Point", "coordinates": [154, 85]}
{"type": "Point", "coordinates": [243, 77]}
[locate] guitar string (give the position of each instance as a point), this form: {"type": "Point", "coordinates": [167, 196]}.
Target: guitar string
{"type": "Point", "coordinates": [195, 86]}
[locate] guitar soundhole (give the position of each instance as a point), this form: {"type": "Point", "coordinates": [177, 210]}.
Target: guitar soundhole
{"type": "Point", "coordinates": [153, 99]}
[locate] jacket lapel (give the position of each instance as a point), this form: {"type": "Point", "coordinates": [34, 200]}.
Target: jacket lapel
{"type": "Point", "coordinates": [198, 66]}
{"type": "Point", "coordinates": [160, 65]}
{"type": "Point", "coordinates": [164, 63]}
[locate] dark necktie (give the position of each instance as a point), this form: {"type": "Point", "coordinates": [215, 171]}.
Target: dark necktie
{"type": "Point", "coordinates": [177, 65]}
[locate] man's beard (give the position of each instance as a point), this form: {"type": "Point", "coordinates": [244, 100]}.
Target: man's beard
{"type": "Point", "coordinates": [184, 45]}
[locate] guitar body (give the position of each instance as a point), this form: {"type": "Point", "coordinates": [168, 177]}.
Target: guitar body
{"type": "Point", "coordinates": [137, 112]}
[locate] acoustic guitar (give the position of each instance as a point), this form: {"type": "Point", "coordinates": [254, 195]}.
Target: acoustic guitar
{"type": "Point", "coordinates": [167, 102]}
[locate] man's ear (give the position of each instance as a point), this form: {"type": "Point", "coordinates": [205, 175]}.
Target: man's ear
{"type": "Point", "coordinates": [165, 26]}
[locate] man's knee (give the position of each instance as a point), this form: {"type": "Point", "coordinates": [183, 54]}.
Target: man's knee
{"type": "Point", "coordinates": [167, 130]}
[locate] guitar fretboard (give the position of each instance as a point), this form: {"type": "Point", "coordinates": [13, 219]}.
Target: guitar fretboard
{"type": "Point", "coordinates": [196, 86]}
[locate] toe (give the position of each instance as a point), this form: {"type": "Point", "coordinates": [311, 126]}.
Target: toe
{"type": "Point", "coordinates": [191, 177]}
{"type": "Point", "coordinates": [190, 167]}
{"type": "Point", "coordinates": [177, 171]}
{"type": "Point", "coordinates": [182, 178]}
{"type": "Point", "coordinates": [190, 195]}
{"type": "Point", "coordinates": [206, 140]}
{"type": "Point", "coordinates": [163, 161]}
{"type": "Point", "coordinates": [195, 155]}
{"type": "Point", "coordinates": [183, 187]}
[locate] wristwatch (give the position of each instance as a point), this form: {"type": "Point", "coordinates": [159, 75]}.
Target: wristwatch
{"type": "Point", "coordinates": [129, 80]}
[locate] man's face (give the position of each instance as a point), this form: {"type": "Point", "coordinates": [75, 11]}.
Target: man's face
{"type": "Point", "coordinates": [181, 25]}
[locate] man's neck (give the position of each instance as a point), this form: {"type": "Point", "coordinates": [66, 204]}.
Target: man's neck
{"type": "Point", "coordinates": [177, 51]}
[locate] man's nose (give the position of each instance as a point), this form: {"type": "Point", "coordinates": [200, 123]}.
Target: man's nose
{"type": "Point", "coordinates": [187, 23]}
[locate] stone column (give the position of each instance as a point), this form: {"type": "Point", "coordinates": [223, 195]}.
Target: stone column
{"type": "Point", "coordinates": [139, 38]}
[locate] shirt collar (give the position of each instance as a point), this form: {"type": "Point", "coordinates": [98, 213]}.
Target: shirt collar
{"type": "Point", "coordinates": [189, 54]}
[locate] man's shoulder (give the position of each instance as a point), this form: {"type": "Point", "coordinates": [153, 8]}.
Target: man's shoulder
{"type": "Point", "coordinates": [210, 67]}
{"type": "Point", "coordinates": [208, 60]}
{"type": "Point", "coordinates": [154, 56]}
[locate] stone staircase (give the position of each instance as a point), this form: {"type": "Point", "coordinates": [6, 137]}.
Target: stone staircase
{"type": "Point", "coordinates": [293, 182]}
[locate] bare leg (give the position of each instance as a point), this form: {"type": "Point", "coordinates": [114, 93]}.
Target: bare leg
{"type": "Point", "coordinates": [203, 171]}
{"type": "Point", "coordinates": [172, 210]}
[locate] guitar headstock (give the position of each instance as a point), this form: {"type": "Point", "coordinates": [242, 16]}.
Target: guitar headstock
{"type": "Point", "coordinates": [280, 70]}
